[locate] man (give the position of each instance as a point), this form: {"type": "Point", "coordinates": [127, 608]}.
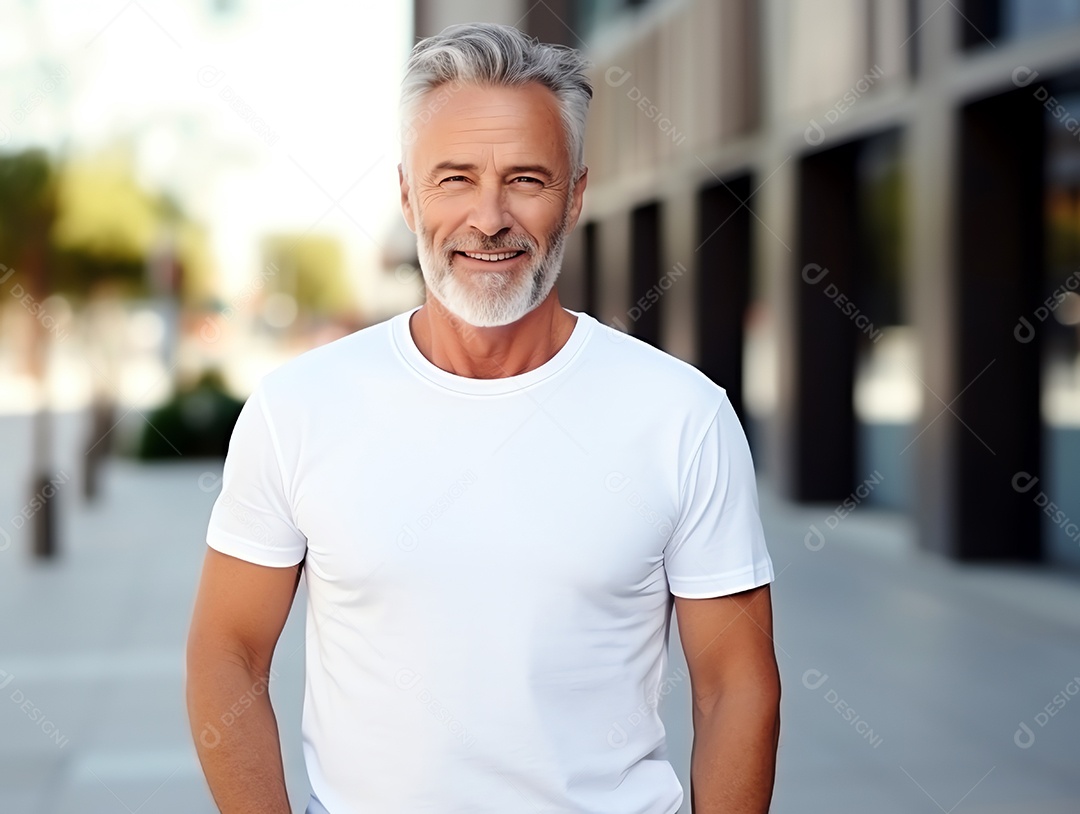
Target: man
{"type": "Point", "coordinates": [496, 503]}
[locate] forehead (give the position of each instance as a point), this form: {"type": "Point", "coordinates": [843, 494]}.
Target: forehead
{"type": "Point", "coordinates": [471, 123]}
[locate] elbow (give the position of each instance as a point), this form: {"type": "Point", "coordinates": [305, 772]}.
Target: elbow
{"type": "Point", "coordinates": [756, 694]}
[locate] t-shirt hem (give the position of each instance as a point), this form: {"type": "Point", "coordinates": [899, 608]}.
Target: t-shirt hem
{"type": "Point", "coordinates": [721, 585]}
{"type": "Point", "coordinates": [245, 550]}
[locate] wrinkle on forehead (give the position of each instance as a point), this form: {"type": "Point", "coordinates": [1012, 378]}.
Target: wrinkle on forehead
{"type": "Point", "coordinates": [482, 120]}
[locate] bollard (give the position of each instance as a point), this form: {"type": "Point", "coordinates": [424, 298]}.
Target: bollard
{"type": "Point", "coordinates": [44, 519]}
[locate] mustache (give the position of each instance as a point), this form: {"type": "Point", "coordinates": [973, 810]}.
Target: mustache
{"type": "Point", "coordinates": [486, 243]}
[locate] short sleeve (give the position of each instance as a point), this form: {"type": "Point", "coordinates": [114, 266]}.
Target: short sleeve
{"type": "Point", "coordinates": [718, 544]}
{"type": "Point", "coordinates": [252, 518]}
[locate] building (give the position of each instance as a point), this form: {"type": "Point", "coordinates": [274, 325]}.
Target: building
{"type": "Point", "coordinates": [862, 218]}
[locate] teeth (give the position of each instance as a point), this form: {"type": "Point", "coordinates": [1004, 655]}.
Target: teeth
{"type": "Point", "coordinates": [491, 257]}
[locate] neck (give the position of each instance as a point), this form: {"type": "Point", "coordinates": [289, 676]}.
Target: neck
{"type": "Point", "coordinates": [465, 350]}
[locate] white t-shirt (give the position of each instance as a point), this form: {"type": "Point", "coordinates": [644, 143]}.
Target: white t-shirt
{"type": "Point", "coordinates": [490, 564]}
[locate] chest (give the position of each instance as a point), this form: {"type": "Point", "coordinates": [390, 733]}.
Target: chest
{"type": "Point", "coordinates": [520, 499]}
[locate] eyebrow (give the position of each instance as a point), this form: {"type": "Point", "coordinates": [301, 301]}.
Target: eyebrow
{"type": "Point", "coordinates": [517, 169]}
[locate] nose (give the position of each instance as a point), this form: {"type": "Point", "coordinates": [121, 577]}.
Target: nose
{"type": "Point", "coordinates": [491, 215]}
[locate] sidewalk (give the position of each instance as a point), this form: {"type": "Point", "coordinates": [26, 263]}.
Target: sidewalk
{"type": "Point", "coordinates": [906, 678]}
{"type": "Point", "coordinates": [92, 649]}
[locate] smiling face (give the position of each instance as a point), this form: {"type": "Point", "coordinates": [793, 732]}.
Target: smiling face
{"type": "Point", "coordinates": [487, 188]}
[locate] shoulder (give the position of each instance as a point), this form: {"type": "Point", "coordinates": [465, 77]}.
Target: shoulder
{"type": "Point", "coordinates": [650, 372]}
{"type": "Point", "coordinates": [318, 373]}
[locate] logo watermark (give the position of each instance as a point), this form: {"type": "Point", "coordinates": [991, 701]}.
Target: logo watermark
{"type": "Point", "coordinates": [435, 100]}
{"type": "Point", "coordinates": [406, 679]}
{"type": "Point", "coordinates": [813, 274]}
{"type": "Point", "coordinates": [815, 679]}
{"type": "Point", "coordinates": [210, 735]}
{"type": "Point", "coordinates": [616, 482]}
{"type": "Point", "coordinates": [617, 736]}
{"type": "Point", "coordinates": [407, 538]}
{"type": "Point", "coordinates": [1024, 737]}
{"type": "Point", "coordinates": [650, 297]}
{"type": "Point", "coordinates": [32, 100]}
{"type": "Point", "coordinates": [616, 77]}
{"type": "Point", "coordinates": [1024, 330]}
{"type": "Point", "coordinates": [1024, 482]}
{"type": "Point", "coordinates": [35, 504]}
{"type": "Point", "coordinates": [1024, 76]}
{"type": "Point", "coordinates": [209, 76]}
{"type": "Point", "coordinates": [34, 308]}
{"type": "Point", "coordinates": [815, 538]}
{"type": "Point", "coordinates": [815, 133]}
{"type": "Point", "coordinates": [33, 712]}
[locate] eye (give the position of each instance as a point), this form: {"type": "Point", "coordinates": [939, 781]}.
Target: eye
{"type": "Point", "coordinates": [528, 179]}
{"type": "Point", "coordinates": [453, 179]}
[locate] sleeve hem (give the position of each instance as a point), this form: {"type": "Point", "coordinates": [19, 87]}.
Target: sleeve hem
{"type": "Point", "coordinates": [250, 552]}
{"type": "Point", "coordinates": [722, 584]}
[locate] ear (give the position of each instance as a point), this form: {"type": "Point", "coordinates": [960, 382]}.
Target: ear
{"type": "Point", "coordinates": [578, 196]}
{"type": "Point", "coordinates": [406, 204]}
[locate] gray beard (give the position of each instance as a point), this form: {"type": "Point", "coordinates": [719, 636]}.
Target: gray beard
{"type": "Point", "coordinates": [493, 298]}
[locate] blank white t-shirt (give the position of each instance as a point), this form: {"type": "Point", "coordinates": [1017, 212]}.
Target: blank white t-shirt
{"type": "Point", "coordinates": [490, 564]}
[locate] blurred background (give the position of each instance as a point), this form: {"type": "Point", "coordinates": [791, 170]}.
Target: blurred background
{"type": "Point", "coordinates": [860, 217]}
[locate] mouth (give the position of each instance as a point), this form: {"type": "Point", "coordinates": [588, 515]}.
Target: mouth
{"type": "Point", "coordinates": [493, 259]}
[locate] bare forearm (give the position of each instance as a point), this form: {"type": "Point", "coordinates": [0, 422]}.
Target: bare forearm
{"type": "Point", "coordinates": [236, 737]}
{"type": "Point", "coordinates": [733, 762]}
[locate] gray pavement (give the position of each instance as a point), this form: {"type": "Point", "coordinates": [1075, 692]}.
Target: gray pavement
{"type": "Point", "coordinates": [910, 684]}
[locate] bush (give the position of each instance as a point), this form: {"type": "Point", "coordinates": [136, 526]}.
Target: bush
{"type": "Point", "coordinates": [197, 423]}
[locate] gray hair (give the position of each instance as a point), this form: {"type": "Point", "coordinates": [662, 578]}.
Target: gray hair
{"type": "Point", "coordinates": [500, 55]}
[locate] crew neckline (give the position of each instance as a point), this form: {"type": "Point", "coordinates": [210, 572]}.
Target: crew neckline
{"type": "Point", "coordinates": [410, 353]}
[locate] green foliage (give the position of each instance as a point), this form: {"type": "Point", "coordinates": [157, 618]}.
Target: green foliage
{"type": "Point", "coordinates": [90, 222]}
{"type": "Point", "coordinates": [27, 203]}
{"type": "Point", "coordinates": [312, 270]}
{"type": "Point", "coordinates": [197, 422]}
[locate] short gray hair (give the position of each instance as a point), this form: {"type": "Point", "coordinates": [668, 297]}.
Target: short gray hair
{"type": "Point", "coordinates": [500, 55]}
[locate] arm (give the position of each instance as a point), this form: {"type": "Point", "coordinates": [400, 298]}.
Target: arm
{"type": "Point", "coordinates": [735, 685]}
{"type": "Point", "coordinates": [239, 613]}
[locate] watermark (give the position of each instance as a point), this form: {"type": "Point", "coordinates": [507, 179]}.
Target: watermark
{"type": "Point", "coordinates": [33, 712]}
{"type": "Point", "coordinates": [616, 77]}
{"type": "Point", "coordinates": [813, 274]}
{"type": "Point", "coordinates": [1024, 482]}
{"type": "Point", "coordinates": [815, 538]}
{"type": "Point", "coordinates": [616, 482]}
{"type": "Point", "coordinates": [34, 505]}
{"type": "Point", "coordinates": [434, 101]}
{"type": "Point", "coordinates": [1024, 330]}
{"type": "Point", "coordinates": [617, 736]}
{"type": "Point", "coordinates": [1024, 76]}
{"type": "Point", "coordinates": [211, 329]}
{"type": "Point", "coordinates": [210, 735]}
{"type": "Point", "coordinates": [29, 103]}
{"type": "Point", "coordinates": [1024, 737]}
{"type": "Point", "coordinates": [209, 76]}
{"type": "Point", "coordinates": [815, 133]}
{"type": "Point", "coordinates": [650, 297]}
{"type": "Point", "coordinates": [815, 679]}
{"type": "Point", "coordinates": [406, 679]}
{"type": "Point", "coordinates": [34, 308]}
{"type": "Point", "coordinates": [408, 539]}
{"type": "Point", "coordinates": [210, 482]}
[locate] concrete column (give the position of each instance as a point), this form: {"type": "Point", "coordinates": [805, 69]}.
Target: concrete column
{"type": "Point", "coordinates": [645, 253]}
{"type": "Point", "coordinates": [826, 270]}
{"type": "Point", "coordinates": [723, 284]}
{"type": "Point", "coordinates": [1000, 265]}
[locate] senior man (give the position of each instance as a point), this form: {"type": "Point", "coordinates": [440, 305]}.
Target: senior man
{"type": "Point", "coordinates": [496, 503]}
